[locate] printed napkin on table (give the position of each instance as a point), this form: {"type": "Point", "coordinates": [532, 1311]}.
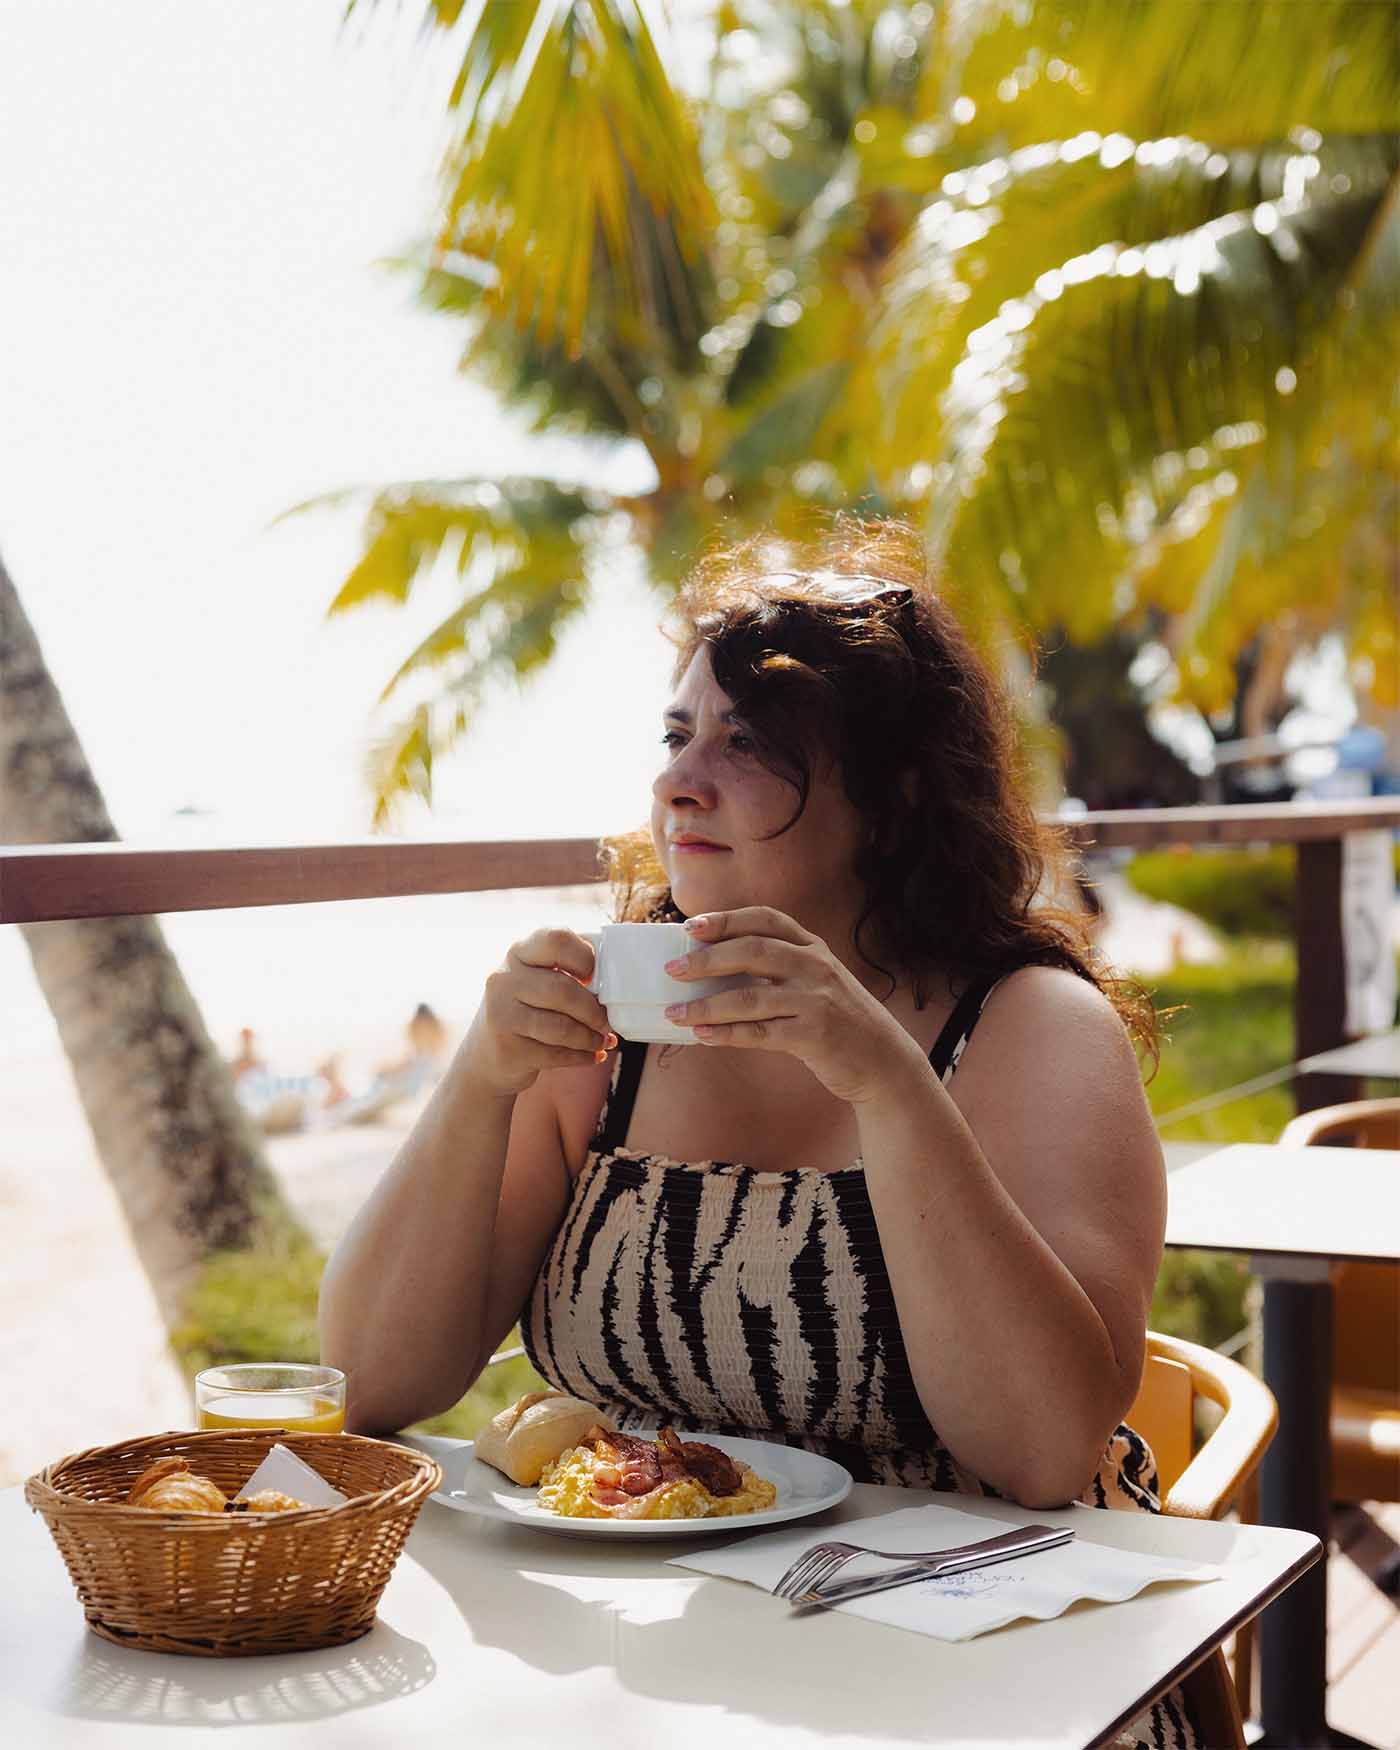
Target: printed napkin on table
{"type": "Point", "coordinates": [958, 1606]}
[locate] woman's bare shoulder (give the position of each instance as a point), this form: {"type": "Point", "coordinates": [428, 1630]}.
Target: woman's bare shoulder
{"type": "Point", "coordinates": [1056, 1039]}
{"type": "Point", "coordinates": [1034, 995]}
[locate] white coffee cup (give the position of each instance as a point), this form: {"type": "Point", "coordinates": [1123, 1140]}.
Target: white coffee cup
{"type": "Point", "coordinates": [630, 979]}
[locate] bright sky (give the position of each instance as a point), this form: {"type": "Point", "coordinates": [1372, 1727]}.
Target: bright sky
{"type": "Point", "coordinates": [193, 337]}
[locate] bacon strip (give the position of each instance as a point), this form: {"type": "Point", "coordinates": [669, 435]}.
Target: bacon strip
{"type": "Point", "coordinates": [630, 1468]}
{"type": "Point", "coordinates": [707, 1464]}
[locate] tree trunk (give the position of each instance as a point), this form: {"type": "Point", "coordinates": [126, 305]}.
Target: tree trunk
{"type": "Point", "coordinates": [185, 1161]}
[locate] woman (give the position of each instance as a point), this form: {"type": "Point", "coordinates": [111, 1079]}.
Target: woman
{"type": "Point", "coordinates": [840, 1219]}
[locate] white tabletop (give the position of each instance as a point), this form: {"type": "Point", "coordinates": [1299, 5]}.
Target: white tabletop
{"type": "Point", "coordinates": [490, 1634]}
{"type": "Point", "coordinates": [1378, 1055]}
{"type": "Point", "coordinates": [1270, 1201]}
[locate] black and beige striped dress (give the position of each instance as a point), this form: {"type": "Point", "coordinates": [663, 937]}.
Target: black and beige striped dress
{"type": "Point", "coordinates": [758, 1304]}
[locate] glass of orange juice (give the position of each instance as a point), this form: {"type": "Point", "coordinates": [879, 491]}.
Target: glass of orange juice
{"type": "Point", "coordinates": [272, 1394]}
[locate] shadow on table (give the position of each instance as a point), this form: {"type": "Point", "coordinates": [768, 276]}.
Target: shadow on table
{"type": "Point", "coordinates": [148, 1689]}
{"type": "Point", "coordinates": [553, 1606]}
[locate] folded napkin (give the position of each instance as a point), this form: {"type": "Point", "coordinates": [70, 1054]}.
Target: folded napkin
{"type": "Point", "coordinates": [284, 1471]}
{"type": "Point", "coordinates": [962, 1605]}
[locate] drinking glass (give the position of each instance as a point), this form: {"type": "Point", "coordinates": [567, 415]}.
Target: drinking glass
{"type": "Point", "coordinates": [272, 1394]}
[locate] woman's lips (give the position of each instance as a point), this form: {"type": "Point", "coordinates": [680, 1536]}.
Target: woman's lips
{"type": "Point", "coordinates": [696, 849]}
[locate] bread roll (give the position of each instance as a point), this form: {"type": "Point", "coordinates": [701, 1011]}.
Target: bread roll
{"type": "Point", "coordinates": [522, 1440]}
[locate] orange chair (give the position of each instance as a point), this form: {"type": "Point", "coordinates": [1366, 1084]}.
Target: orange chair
{"type": "Point", "coordinates": [1365, 1325]}
{"type": "Point", "coordinates": [1204, 1485]}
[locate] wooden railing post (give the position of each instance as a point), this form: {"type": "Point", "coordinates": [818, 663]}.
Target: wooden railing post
{"type": "Point", "coordinates": [1320, 994]}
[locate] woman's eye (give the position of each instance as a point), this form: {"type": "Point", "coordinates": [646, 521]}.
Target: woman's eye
{"type": "Point", "coordinates": [741, 743]}
{"type": "Point", "coordinates": [672, 738]}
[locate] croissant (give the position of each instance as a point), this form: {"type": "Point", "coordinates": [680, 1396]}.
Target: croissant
{"type": "Point", "coordinates": [169, 1486]}
{"type": "Point", "coordinates": [272, 1501]}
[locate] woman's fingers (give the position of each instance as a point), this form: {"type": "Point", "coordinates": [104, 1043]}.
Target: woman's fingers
{"type": "Point", "coordinates": [543, 988]}
{"type": "Point", "coordinates": [555, 948]}
{"type": "Point", "coordinates": [750, 1003]}
{"type": "Point", "coordinates": [760, 956]}
{"type": "Point", "coordinates": [749, 920]}
{"type": "Point", "coordinates": [552, 1027]}
{"type": "Point", "coordinates": [561, 1057]}
{"type": "Point", "coordinates": [765, 1035]}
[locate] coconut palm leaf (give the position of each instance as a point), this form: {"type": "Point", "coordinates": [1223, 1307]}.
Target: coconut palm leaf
{"type": "Point", "coordinates": [486, 525]}
{"type": "Point", "coordinates": [594, 392]}
{"type": "Point", "coordinates": [1236, 74]}
{"type": "Point", "coordinates": [1078, 429]}
{"type": "Point", "coordinates": [575, 83]}
{"type": "Point", "coordinates": [1301, 550]}
{"type": "Point", "coordinates": [1002, 235]}
{"type": "Point", "coordinates": [501, 633]}
{"type": "Point", "coordinates": [784, 432]}
{"type": "Point", "coordinates": [534, 582]}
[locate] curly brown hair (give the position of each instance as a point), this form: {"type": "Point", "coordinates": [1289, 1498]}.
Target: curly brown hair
{"type": "Point", "coordinates": [842, 645]}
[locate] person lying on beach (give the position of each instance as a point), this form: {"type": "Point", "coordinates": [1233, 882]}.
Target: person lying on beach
{"type": "Point", "coordinates": [427, 1052]}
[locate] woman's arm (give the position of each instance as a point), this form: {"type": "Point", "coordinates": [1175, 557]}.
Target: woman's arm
{"type": "Point", "coordinates": [403, 1307]}
{"type": "Point", "coordinates": [1021, 1214]}
{"type": "Point", "coordinates": [434, 1269]}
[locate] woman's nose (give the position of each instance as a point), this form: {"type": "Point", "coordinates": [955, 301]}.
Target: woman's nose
{"type": "Point", "coordinates": [685, 779]}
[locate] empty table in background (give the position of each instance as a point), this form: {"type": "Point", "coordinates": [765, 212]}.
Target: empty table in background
{"type": "Point", "coordinates": [1377, 1056]}
{"type": "Point", "coordinates": [1295, 1212]}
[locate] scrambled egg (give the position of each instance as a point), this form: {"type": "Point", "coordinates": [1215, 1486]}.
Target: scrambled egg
{"type": "Point", "coordinates": [566, 1483]}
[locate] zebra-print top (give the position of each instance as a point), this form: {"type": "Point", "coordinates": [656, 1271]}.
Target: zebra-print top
{"type": "Point", "coordinates": [753, 1303]}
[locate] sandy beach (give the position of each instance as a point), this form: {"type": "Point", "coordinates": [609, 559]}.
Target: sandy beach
{"type": "Point", "coordinates": [83, 1357]}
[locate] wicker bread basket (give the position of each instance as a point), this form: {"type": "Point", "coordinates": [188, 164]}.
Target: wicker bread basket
{"type": "Point", "coordinates": [225, 1585]}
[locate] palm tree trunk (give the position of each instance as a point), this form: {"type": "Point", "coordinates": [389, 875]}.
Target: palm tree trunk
{"type": "Point", "coordinates": [186, 1163]}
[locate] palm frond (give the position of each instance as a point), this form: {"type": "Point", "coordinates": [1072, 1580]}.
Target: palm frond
{"type": "Point", "coordinates": [1084, 421]}
{"type": "Point", "coordinates": [503, 633]}
{"type": "Point", "coordinates": [783, 433]}
{"type": "Point", "coordinates": [535, 580]}
{"type": "Point", "coordinates": [1236, 74]}
{"type": "Point", "coordinates": [1012, 233]}
{"type": "Point", "coordinates": [487, 523]}
{"type": "Point", "coordinates": [1306, 549]}
{"type": "Point", "coordinates": [575, 83]}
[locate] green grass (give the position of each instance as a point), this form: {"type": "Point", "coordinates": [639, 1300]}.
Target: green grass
{"type": "Point", "coordinates": [1245, 892]}
{"type": "Point", "coordinates": [1236, 1022]}
{"type": "Point", "coordinates": [252, 1306]}
{"type": "Point", "coordinates": [1240, 891]}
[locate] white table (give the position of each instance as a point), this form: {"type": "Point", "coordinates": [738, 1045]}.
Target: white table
{"type": "Point", "coordinates": [1295, 1212]}
{"type": "Point", "coordinates": [493, 1635]}
{"type": "Point", "coordinates": [1376, 1055]}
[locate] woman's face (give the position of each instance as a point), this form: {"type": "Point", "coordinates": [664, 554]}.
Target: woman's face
{"type": "Point", "coordinates": [715, 805]}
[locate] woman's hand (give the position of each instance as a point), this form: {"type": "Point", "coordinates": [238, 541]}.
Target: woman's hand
{"type": "Point", "coordinates": [536, 1015]}
{"type": "Point", "coordinates": [810, 1004]}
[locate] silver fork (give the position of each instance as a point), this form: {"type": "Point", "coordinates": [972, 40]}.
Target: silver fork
{"type": "Point", "coordinates": [814, 1567]}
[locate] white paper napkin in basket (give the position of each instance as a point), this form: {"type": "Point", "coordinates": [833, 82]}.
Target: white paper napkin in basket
{"type": "Point", "coordinates": [284, 1471]}
{"type": "Point", "coordinates": [962, 1605]}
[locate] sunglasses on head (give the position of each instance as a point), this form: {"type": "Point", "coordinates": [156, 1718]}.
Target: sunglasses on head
{"type": "Point", "coordinates": [849, 590]}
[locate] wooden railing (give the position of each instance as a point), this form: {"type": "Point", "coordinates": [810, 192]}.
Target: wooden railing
{"type": "Point", "coordinates": [42, 883]}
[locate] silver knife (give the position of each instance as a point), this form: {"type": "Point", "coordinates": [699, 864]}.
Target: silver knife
{"type": "Point", "coordinates": [1034, 1539]}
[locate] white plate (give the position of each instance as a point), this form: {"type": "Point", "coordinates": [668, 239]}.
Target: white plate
{"type": "Point", "coordinates": [807, 1483]}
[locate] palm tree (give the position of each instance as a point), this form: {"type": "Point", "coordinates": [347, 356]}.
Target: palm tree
{"type": "Point", "coordinates": [1101, 291]}
{"type": "Point", "coordinates": [186, 1165]}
